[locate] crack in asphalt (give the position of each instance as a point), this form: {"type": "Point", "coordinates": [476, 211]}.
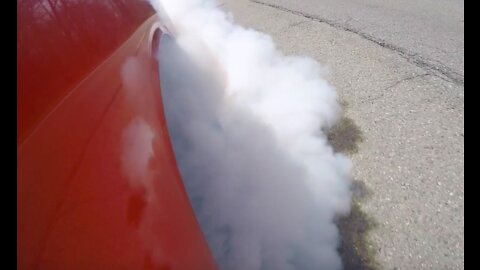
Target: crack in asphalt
{"type": "Point", "coordinates": [296, 24]}
{"type": "Point", "coordinates": [386, 90]}
{"type": "Point", "coordinates": [409, 78]}
{"type": "Point", "coordinates": [438, 70]}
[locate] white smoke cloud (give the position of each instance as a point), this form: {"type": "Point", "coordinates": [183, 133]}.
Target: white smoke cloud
{"type": "Point", "coordinates": [247, 125]}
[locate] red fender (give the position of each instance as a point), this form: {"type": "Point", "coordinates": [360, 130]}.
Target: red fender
{"type": "Point", "coordinates": [97, 181]}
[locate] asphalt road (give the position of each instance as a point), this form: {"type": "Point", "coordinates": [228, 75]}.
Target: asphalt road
{"type": "Point", "coordinates": [398, 66]}
{"type": "Point", "coordinates": [430, 33]}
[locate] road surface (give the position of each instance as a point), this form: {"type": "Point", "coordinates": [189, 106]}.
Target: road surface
{"type": "Point", "coordinates": [398, 67]}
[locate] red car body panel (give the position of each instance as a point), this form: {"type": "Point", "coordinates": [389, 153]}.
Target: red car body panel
{"type": "Point", "coordinates": [97, 181]}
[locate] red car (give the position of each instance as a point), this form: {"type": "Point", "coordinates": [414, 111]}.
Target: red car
{"type": "Point", "coordinates": [97, 181]}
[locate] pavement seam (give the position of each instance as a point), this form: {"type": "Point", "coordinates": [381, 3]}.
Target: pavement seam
{"type": "Point", "coordinates": [437, 69]}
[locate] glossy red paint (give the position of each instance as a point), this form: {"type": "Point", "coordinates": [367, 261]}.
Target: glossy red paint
{"type": "Point", "coordinates": [97, 181]}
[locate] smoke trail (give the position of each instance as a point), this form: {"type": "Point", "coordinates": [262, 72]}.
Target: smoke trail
{"type": "Point", "coordinates": [247, 128]}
